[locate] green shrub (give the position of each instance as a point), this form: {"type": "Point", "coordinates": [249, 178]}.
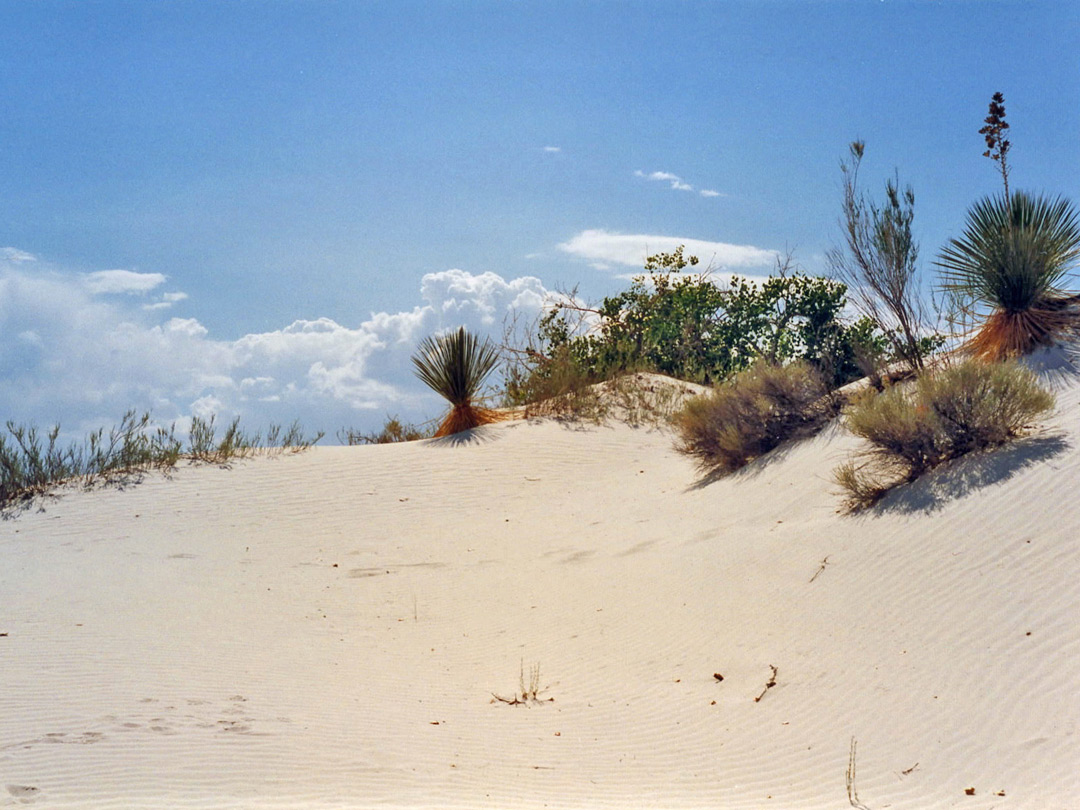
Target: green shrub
{"type": "Point", "coordinates": [943, 415]}
{"type": "Point", "coordinates": [752, 413]}
{"type": "Point", "coordinates": [688, 327]}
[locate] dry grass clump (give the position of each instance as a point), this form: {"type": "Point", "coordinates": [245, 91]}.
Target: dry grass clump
{"type": "Point", "coordinates": [558, 387]}
{"type": "Point", "coordinates": [393, 431]}
{"type": "Point", "coordinates": [752, 413]}
{"type": "Point", "coordinates": [943, 415]}
{"type": "Point", "coordinates": [32, 464]}
{"type": "Point", "coordinates": [639, 399]}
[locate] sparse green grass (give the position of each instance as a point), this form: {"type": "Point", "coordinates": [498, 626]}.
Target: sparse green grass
{"type": "Point", "coordinates": [393, 430]}
{"type": "Point", "coordinates": [752, 413]}
{"type": "Point", "coordinates": [943, 415]}
{"type": "Point", "coordinates": [558, 386]}
{"type": "Point", "coordinates": [32, 463]}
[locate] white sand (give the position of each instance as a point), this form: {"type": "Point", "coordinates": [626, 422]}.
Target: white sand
{"type": "Point", "coordinates": [327, 630]}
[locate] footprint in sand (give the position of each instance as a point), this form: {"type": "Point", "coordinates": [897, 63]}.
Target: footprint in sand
{"type": "Point", "coordinates": [22, 791]}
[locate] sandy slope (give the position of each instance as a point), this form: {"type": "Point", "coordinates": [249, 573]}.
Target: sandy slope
{"type": "Point", "coordinates": [327, 630]}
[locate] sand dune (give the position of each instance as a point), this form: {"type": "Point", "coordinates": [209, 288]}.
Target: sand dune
{"type": "Point", "coordinates": [328, 629]}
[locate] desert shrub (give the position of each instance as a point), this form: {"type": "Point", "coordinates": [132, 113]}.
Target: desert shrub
{"type": "Point", "coordinates": [31, 464]}
{"type": "Point", "coordinates": [879, 261]}
{"type": "Point", "coordinates": [943, 415]}
{"type": "Point", "coordinates": [393, 430]}
{"type": "Point", "coordinates": [752, 413]}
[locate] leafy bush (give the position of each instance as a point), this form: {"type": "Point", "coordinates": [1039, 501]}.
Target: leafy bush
{"type": "Point", "coordinates": [393, 430]}
{"type": "Point", "coordinates": [752, 413]}
{"type": "Point", "coordinates": [943, 415]}
{"type": "Point", "coordinates": [688, 327]}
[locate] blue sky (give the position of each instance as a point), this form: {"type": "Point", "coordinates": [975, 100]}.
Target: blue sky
{"type": "Point", "coordinates": [259, 208]}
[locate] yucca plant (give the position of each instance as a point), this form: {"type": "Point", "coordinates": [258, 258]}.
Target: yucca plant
{"type": "Point", "coordinates": [1006, 273]}
{"type": "Point", "coordinates": [455, 365]}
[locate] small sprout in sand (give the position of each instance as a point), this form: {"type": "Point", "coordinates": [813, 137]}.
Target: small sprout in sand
{"type": "Point", "coordinates": [526, 695]}
{"type": "Point", "coordinates": [768, 684]}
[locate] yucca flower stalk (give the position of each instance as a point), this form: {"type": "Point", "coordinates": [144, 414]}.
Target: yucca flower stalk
{"type": "Point", "coordinates": [455, 365]}
{"type": "Point", "coordinates": [1006, 274]}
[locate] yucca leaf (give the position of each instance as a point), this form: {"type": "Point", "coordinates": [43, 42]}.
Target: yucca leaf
{"type": "Point", "coordinates": [455, 365]}
{"type": "Point", "coordinates": [1014, 252]}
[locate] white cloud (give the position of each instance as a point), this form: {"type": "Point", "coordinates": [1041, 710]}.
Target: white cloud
{"type": "Point", "coordinates": [167, 301]}
{"type": "Point", "coordinates": [657, 175]}
{"type": "Point", "coordinates": [708, 192]}
{"type": "Point", "coordinates": [676, 182]}
{"type": "Point", "coordinates": [630, 250]}
{"type": "Point", "coordinates": [481, 299]}
{"type": "Point", "coordinates": [15, 255]}
{"type": "Point", "coordinates": [83, 359]}
{"type": "Point", "coordinates": [553, 149]}
{"type": "Point", "coordinates": [122, 281]}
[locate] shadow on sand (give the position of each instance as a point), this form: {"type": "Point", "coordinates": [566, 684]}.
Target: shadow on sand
{"type": "Point", "coordinates": [480, 435]}
{"type": "Point", "coordinates": [967, 474]}
{"type": "Point", "coordinates": [762, 463]}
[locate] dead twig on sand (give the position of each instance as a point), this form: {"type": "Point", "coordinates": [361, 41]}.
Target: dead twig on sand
{"type": "Point", "coordinates": [823, 564]}
{"type": "Point", "coordinates": [768, 684]}
{"type": "Point", "coordinates": [852, 792]}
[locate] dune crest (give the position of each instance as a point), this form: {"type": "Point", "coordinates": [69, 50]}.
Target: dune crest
{"type": "Point", "coordinates": [328, 630]}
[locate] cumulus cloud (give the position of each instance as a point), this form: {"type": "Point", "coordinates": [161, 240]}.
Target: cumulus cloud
{"type": "Point", "coordinates": [630, 250]}
{"type": "Point", "coordinates": [122, 281]}
{"type": "Point", "coordinates": [82, 358]}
